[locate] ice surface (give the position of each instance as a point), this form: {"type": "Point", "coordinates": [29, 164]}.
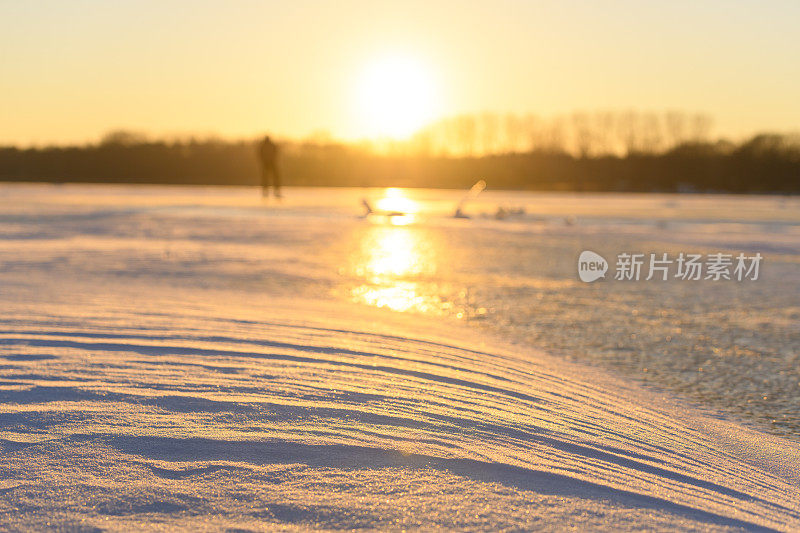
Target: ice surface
{"type": "Point", "coordinates": [189, 358]}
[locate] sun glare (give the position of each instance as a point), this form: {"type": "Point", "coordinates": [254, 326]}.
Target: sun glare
{"type": "Point", "coordinates": [396, 96]}
{"type": "Point", "coordinates": [395, 201]}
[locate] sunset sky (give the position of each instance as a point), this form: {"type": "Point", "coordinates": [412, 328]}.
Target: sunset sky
{"type": "Point", "coordinates": [357, 68]}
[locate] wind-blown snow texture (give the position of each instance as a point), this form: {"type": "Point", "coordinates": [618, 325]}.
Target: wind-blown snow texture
{"type": "Point", "coordinates": [177, 383]}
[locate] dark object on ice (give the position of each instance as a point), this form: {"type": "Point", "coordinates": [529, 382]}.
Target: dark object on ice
{"type": "Point", "coordinates": [382, 212]}
{"type": "Point", "coordinates": [268, 157]}
{"type": "Point", "coordinates": [473, 192]}
{"type": "Point", "coordinates": [504, 212]}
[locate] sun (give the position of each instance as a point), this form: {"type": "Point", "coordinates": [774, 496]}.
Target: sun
{"type": "Point", "coordinates": [396, 96]}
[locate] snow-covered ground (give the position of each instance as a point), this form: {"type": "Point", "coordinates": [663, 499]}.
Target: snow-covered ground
{"type": "Point", "coordinates": [192, 358]}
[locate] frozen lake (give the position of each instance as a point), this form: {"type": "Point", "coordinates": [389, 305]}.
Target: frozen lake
{"type": "Point", "coordinates": [199, 358]}
{"type": "Point", "coordinates": [730, 346]}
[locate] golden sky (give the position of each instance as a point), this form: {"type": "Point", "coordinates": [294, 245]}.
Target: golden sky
{"type": "Point", "coordinates": [73, 70]}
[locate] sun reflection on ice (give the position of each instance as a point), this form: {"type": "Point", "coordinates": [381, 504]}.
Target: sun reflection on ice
{"type": "Point", "coordinates": [393, 252]}
{"type": "Point", "coordinates": [394, 257]}
{"type": "Point", "coordinates": [401, 210]}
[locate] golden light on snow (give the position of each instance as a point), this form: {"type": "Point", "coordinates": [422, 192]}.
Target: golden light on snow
{"type": "Point", "coordinates": [396, 96]}
{"type": "Point", "coordinates": [401, 297]}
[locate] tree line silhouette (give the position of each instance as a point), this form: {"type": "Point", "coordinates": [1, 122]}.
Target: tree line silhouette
{"type": "Point", "coordinates": [639, 152]}
{"type": "Point", "coordinates": [582, 134]}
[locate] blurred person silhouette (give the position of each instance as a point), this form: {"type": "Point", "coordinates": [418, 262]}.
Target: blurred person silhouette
{"type": "Point", "coordinates": [268, 157]}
